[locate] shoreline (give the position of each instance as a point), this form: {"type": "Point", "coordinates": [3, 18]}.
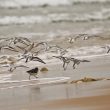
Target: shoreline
{"type": "Point", "coordinates": [91, 102]}
{"type": "Point", "coordinates": [92, 95]}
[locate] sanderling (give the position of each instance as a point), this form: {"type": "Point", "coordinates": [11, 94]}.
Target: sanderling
{"type": "Point", "coordinates": [33, 72]}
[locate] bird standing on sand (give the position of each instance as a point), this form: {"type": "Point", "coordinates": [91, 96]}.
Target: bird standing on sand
{"type": "Point", "coordinates": [33, 72]}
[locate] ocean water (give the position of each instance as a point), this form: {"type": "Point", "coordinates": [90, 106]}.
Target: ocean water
{"type": "Point", "coordinates": [55, 21]}
{"type": "Point", "coordinates": [34, 16]}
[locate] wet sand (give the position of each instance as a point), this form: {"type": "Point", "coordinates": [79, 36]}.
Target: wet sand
{"type": "Point", "coordinates": [82, 96]}
{"type": "Point", "coordinates": [55, 24]}
{"type": "Point", "coordinates": [85, 103]}
{"type": "Point", "coordinates": [88, 103]}
{"type": "Point", "coordinates": [32, 100]}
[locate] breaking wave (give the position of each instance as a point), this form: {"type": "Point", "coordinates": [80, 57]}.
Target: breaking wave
{"type": "Point", "coordinates": [104, 14]}
{"type": "Point", "coordinates": [30, 3]}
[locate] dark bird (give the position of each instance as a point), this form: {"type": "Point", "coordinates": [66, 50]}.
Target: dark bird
{"type": "Point", "coordinates": [33, 72]}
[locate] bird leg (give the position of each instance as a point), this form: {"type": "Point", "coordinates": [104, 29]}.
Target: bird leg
{"type": "Point", "coordinates": [65, 67]}
{"type": "Point", "coordinates": [35, 76]}
{"type": "Point", "coordinates": [65, 64]}
{"type": "Point", "coordinates": [108, 51]}
{"type": "Point", "coordinates": [27, 59]}
{"type": "Point", "coordinates": [29, 77]}
{"type": "Point", "coordinates": [74, 65]}
{"type": "Point", "coordinates": [77, 62]}
{"type": "Point", "coordinates": [11, 69]}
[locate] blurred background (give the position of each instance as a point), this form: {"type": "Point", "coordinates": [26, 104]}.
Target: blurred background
{"type": "Point", "coordinates": [45, 19]}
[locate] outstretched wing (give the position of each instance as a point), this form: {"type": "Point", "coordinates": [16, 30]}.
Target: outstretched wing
{"type": "Point", "coordinates": [37, 59]}
{"type": "Point", "coordinates": [10, 48]}
{"type": "Point", "coordinates": [22, 66]}
{"type": "Point", "coordinates": [59, 57]}
{"type": "Point", "coordinates": [26, 39]}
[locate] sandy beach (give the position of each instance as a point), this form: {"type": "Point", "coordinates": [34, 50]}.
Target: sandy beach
{"type": "Point", "coordinates": [91, 103]}
{"type": "Point", "coordinates": [52, 34]}
{"type": "Point", "coordinates": [81, 96]}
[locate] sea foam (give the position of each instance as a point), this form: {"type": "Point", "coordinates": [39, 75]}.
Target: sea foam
{"type": "Point", "coordinates": [101, 15]}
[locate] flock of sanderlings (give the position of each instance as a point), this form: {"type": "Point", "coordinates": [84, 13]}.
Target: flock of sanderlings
{"type": "Point", "coordinates": [29, 51]}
